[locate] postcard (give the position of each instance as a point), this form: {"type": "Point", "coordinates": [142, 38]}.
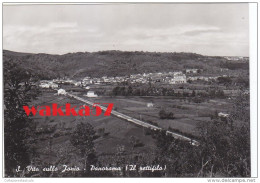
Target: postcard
{"type": "Point", "coordinates": [127, 90]}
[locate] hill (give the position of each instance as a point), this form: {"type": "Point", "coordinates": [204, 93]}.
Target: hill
{"type": "Point", "coordinates": [108, 63]}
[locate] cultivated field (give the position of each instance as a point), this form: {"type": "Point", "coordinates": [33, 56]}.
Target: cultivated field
{"type": "Point", "coordinates": [186, 113]}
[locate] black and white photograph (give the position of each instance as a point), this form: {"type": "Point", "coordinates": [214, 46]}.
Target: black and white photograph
{"type": "Point", "coordinates": [127, 90]}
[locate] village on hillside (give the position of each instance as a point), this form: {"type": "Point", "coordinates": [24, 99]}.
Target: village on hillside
{"type": "Point", "coordinates": [177, 77]}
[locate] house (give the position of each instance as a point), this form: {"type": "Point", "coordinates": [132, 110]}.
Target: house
{"type": "Point", "coordinates": [48, 84]}
{"type": "Point", "coordinates": [78, 83]}
{"type": "Point", "coordinates": [178, 79]}
{"type": "Point", "coordinates": [149, 104]}
{"type": "Point", "coordinates": [53, 85]}
{"type": "Point", "coordinates": [44, 85]}
{"type": "Point", "coordinates": [91, 94]}
{"type": "Point", "coordinates": [192, 71]}
{"type": "Point", "coordinates": [61, 92]}
{"type": "Point", "coordinates": [221, 114]}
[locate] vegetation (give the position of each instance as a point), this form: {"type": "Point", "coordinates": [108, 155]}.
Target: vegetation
{"type": "Point", "coordinates": [166, 115]}
{"type": "Point", "coordinates": [196, 97]}
{"type": "Point", "coordinates": [224, 149]}
{"type": "Point", "coordinates": [235, 65]}
{"type": "Point", "coordinates": [117, 63]}
{"type": "Point", "coordinates": [135, 142]}
{"type": "Point", "coordinates": [19, 136]}
{"type": "Point", "coordinates": [82, 138]}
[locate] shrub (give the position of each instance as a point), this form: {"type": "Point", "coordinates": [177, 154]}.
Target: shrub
{"type": "Point", "coordinates": [165, 115]}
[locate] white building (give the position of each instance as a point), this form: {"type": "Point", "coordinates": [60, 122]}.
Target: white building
{"type": "Point", "coordinates": [221, 114]}
{"type": "Point", "coordinates": [53, 85]}
{"type": "Point", "coordinates": [91, 94]}
{"type": "Point", "coordinates": [61, 92]}
{"type": "Point", "coordinates": [178, 79]}
{"type": "Point", "coordinates": [48, 84]}
{"type": "Point", "coordinates": [44, 85]}
{"type": "Point", "coordinates": [78, 83]}
{"type": "Point", "coordinates": [149, 104]}
{"type": "Point", "coordinates": [193, 71]}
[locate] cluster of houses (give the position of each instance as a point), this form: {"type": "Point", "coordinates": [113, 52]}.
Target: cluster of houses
{"type": "Point", "coordinates": [170, 78]}
{"type": "Point", "coordinates": [89, 93]}
{"type": "Point", "coordinates": [48, 84]}
{"type": "Point", "coordinates": [177, 77]}
{"type": "Point", "coordinates": [203, 78]}
{"type": "Point", "coordinates": [54, 84]}
{"type": "Point", "coordinates": [104, 79]}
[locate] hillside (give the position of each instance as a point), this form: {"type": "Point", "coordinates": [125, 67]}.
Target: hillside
{"type": "Point", "coordinates": [110, 63]}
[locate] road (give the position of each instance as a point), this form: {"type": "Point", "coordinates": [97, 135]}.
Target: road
{"type": "Point", "coordinates": [135, 121]}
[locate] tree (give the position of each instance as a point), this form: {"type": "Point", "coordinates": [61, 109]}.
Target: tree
{"type": "Point", "coordinates": [162, 114]}
{"type": "Point", "coordinates": [224, 148]}
{"type": "Point", "coordinates": [164, 91]}
{"type": "Point", "coordinates": [132, 141]}
{"type": "Point", "coordinates": [19, 90]}
{"type": "Point", "coordinates": [166, 115]}
{"type": "Point", "coordinates": [193, 94]}
{"type": "Point", "coordinates": [116, 91]}
{"type": "Point", "coordinates": [180, 157]}
{"type": "Point", "coordinates": [130, 90]}
{"type": "Point", "coordinates": [135, 142]}
{"type": "Point", "coordinates": [225, 80]}
{"type": "Point", "coordinates": [101, 131]}
{"type": "Point", "coordinates": [225, 145]}
{"type": "Point", "coordinates": [242, 81]}
{"type": "Point", "coordinates": [83, 139]}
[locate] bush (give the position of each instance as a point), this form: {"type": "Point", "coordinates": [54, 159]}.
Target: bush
{"type": "Point", "coordinates": [152, 123]}
{"type": "Point", "coordinates": [198, 100]}
{"type": "Point", "coordinates": [147, 131]}
{"type": "Point", "coordinates": [165, 115]}
{"type": "Point", "coordinates": [135, 142]}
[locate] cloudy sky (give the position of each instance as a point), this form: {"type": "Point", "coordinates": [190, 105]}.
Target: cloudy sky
{"type": "Point", "coordinates": [208, 29]}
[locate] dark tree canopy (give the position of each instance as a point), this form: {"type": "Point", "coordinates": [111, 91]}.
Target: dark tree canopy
{"type": "Point", "coordinates": [19, 90]}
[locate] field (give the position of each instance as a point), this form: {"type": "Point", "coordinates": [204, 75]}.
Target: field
{"type": "Point", "coordinates": [187, 114]}
{"type": "Point", "coordinates": [54, 131]}
{"type": "Point", "coordinates": [118, 131]}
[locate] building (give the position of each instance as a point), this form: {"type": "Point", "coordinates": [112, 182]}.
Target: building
{"type": "Point", "coordinates": [149, 104]}
{"type": "Point", "coordinates": [178, 79]}
{"type": "Point", "coordinates": [91, 94]}
{"type": "Point", "coordinates": [53, 85]}
{"type": "Point", "coordinates": [48, 84]}
{"type": "Point", "coordinates": [61, 92]}
{"type": "Point", "coordinates": [221, 114]}
{"type": "Point", "coordinates": [192, 71]}
{"type": "Point", "coordinates": [44, 85]}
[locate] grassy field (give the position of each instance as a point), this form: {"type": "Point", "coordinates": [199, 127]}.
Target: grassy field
{"type": "Point", "coordinates": [54, 132]}
{"type": "Point", "coordinates": [118, 131]}
{"type": "Point", "coordinates": [187, 114]}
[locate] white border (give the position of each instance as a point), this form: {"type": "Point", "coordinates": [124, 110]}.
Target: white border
{"type": "Point", "coordinates": [253, 85]}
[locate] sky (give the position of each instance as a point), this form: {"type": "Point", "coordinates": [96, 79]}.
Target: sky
{"type": "Point", "coordinates": [207, 29]}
